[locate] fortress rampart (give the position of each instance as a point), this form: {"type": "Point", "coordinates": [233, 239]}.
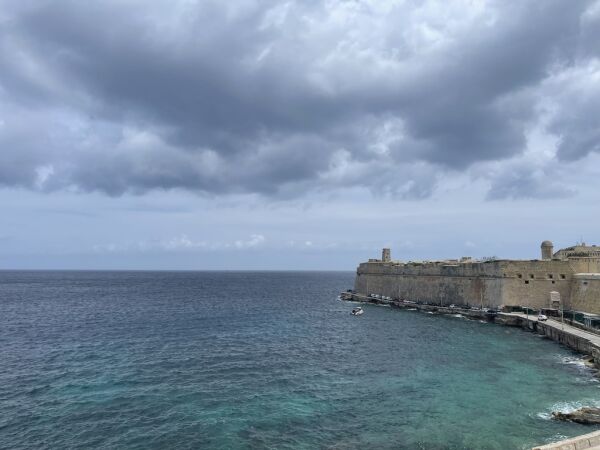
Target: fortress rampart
{"type": "Point", "coordinates": [569, 279]}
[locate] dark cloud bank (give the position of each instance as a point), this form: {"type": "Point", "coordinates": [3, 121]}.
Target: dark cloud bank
{"type": "Point", "coordinates": [279, 98]}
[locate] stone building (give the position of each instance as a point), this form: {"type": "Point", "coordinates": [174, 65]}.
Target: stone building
{"type": "Point", "coordinates": [568, 278]}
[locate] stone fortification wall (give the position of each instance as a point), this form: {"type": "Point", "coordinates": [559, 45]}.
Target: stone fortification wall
{"type": "Point", "coordinates": [547, 283]}
{"type": "Point", "coordinates": [440, 283]}
{"type": "Point", "coordinates": [529, 283]}
{"type": "Point", "coordinates": [585, 265]}
{"type": "Point", "coordinates": [586, 292]}
{"type": "Point", "coordinates": [491, 283]}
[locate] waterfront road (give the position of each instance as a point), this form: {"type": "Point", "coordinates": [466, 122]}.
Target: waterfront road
{"type": "Point", "coordinates": [558, 325]}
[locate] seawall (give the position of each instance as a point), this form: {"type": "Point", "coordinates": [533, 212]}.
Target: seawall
{"type": "Point", "coordinates": [587, 441]}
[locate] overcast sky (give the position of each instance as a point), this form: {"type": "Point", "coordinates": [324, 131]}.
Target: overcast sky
{"type": "Point", "coordinates": [301, 134]}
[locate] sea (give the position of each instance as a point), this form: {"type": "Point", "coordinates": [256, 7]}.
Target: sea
{"type": "Point", "coordinates": [265, 360]}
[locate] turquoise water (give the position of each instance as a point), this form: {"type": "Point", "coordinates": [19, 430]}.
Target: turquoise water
{"type": "Point", "coordinates": [264, 360]}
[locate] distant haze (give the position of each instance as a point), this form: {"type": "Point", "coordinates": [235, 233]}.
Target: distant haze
{"type": "Point", "coordinates": [295, 135]}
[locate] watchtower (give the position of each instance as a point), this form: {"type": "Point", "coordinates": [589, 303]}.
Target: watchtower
{"type": "Point", "coordinates": [386, 255]}
{"type": "Point", "coordinates": [547, 250]}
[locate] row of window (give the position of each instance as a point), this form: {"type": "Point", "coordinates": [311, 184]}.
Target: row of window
{"type": "Point", "coordinates": [553, 282]}
{"type": "Point", "coordinates": [549, 276]}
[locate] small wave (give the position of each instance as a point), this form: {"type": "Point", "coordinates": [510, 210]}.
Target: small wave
{"type": "Point", "coordinates": [546, 415]}
{"type": "Point", "coordinates": [575, 361]}
{"type": "Point", "coordinates": [460, 316]}
{"type": "Point", "coordinates": [583, 366]}
{"type": "Point", "coordinates": [585, 380]}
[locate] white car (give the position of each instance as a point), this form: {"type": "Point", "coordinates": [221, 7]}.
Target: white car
{"type": "Point", "coordinates": [542, 318]}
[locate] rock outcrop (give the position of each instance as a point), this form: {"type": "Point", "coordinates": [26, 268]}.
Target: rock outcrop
{"type": "Point", "coordinates": [588, 416]}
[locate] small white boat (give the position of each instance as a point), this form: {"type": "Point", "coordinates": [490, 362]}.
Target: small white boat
{"type": "Point", "coordinates": [357, 311]}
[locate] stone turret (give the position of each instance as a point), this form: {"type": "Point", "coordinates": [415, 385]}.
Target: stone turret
{"type": "Point", "coordinates": [547, 250]}
{"type": "Point", "coordinates": [386, 255]}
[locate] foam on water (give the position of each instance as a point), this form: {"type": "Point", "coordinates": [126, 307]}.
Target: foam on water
{"type": "Point", "coordinates": [577, 361]}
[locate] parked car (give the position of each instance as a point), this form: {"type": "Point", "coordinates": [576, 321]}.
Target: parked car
{"type": "Point", "coordinates": [542, 318]}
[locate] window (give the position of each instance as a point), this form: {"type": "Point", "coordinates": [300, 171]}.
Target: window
{"type": "Point", "coordinates": [526, 281]}
{"type": "Point", "coordinates": [531, 276]}
{"type": "Point", "coordinates": [562, 276]}
{"type": "Point", "coordinates": [553, 282]}
{"type": "Point", "coordinates": [550, 276]}
{"type": "Point", "coordinates": [519, 275]}
{"type": "Point", "coordinates": [585, 283]}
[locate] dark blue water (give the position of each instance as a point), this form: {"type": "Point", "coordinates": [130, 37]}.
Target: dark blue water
{"type": "Point", "coordinates": [264, 360]}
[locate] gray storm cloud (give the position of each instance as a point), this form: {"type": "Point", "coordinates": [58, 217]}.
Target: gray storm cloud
{"type": "Point", "coordinates": [280, 98]}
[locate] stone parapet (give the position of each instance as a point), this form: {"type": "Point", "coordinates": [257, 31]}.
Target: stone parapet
{"type": "Point", "coordinates": [586, 441]}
